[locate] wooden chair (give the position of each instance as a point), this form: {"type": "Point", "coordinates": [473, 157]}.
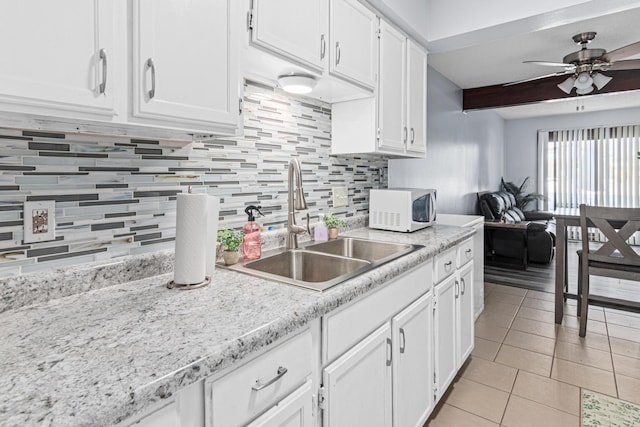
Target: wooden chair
{"type": "Point", "coordinates": [615, 258]}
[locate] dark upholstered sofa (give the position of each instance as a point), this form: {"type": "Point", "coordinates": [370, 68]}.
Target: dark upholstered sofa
{"type": "Point", "coordinates": [514, 237]}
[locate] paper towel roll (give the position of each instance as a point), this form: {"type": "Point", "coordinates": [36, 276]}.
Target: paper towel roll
{"type": "Point", "coordinates": [191, 239]}
{"type": "Point", "coordinates": [213, 212]}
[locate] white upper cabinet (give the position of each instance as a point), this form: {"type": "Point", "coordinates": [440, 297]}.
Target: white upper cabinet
{"type": "Point", "coordinates": [145, 68]}
{"type": "Point", "coordinates": [334, 41]}
{"type": "Point", "coordinates": [353, 42]}
{"type": "Point", "coordinates": [184, 64]}
{"type": "Point", "coordinates": [294, 29]}
{"type": "Point", "coordinates": [392, 90]}
{"type": "Point", "coordinates": [402, 94]}
{"type": "Point", "coordinates": [416, 98]}
{"type": "Point", "coordinates": [57, 58]}
{"type": "Point", "coordinates": [394, 122]}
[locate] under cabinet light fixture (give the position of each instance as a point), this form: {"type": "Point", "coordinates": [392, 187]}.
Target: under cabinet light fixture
{"type": "Point", "coordinates": [297, 83]}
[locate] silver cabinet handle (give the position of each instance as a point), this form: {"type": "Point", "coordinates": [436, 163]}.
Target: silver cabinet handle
{"type": "Point", "coordinates": [337, 53]}
{"type": "Point", "coordinates": [323, 46]}
{"type": "Point", "coordinates": [404, 134]}
{"type": "Point", "coordinates": [403, 340]}
{"type": "Point", "coordinates": [152, 66]}
{"type": "Point", "coordinates": [413, 135]}
{"type": "Point", "coordinates": [103, 58]}
{"type": "Point", "coordinates": [464, 286]}
{"type": "Point", "coordinates": [389, 351]}
{"type": "Point", "coordinates": [447, 266]}
{"type": "Point", "coordinates": [457, 290]}
{"type": "Point", "coordinates": [260, 385]}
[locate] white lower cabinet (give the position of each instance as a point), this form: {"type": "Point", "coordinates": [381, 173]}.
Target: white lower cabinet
{"type": "Point", "coordinates": [385, 378]}
{"type": "Point", "coordinates": [382, 360]}
{"type": "Point", "coordinates": [454, 325]}
{"type": "Point", "coordinates": [296, 410]}
{"type": "Point", "coordinates": [357, 386]}
{"type": "Point", "coordinates": [250, 390]}
{"type": "Point", "coordinates": [413, 363]}
{"type": "Point", "coordinates": [445, 334]}
{"type": "Point", "coordinates": [465, 319]}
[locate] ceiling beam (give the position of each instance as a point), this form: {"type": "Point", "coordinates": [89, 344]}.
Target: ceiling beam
{"type": "Point", "coordinates": [540, 90]}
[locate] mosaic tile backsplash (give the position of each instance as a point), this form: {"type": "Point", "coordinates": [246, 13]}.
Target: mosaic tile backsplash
{"type": "Point", "coordinates": [116, 196]}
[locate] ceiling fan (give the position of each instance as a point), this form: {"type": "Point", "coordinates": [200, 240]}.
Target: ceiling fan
{"type": "Point", "coordinates": [585, 65]}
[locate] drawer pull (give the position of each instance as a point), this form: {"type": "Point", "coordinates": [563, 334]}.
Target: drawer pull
{"type": "Point", "coordinates": [260, 385]}
{"type": "Point", "coordinates": [447, 266]}
{"type": "Point", "coordinates": [468, 251]}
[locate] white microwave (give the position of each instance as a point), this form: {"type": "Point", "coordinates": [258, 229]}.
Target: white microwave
{"type": "Point", "coordinates": [402, 209]}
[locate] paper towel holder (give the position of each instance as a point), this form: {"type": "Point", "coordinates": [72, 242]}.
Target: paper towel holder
{"type": "Point", "coordinates": [185, 287]}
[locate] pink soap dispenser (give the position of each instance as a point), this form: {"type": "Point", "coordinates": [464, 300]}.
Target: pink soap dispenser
{"type": "Point", "coordinates": [252, 244]}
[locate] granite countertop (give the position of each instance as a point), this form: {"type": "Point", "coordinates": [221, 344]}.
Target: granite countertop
{"type": "Point", "coordinates": [101, 356]}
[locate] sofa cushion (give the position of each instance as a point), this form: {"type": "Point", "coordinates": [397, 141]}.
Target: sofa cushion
{"type": "Point", "coordinates": [485, 210]}
{"type": "Point", "coordinates": [510, 217]}
{"type": "Point", "coordinates": [496, 204]}
{"type": "Point", "coordinates": [518, 212]}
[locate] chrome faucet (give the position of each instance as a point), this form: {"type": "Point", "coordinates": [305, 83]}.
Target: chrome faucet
{"type": "Point", "coordinates": [295, 203]}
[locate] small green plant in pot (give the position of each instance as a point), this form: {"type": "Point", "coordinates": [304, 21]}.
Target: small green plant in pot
{"type": "Point", "coordinates": [333, 222]}
{"type": "Point", "coordinates": [231, 241]}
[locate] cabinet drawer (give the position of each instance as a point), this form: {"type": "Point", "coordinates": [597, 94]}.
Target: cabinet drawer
{"type": "Point", "coordinates": [465, 252]}
{"type": "Point", "coordinates": [233, 399]}
{"type": "Point", "coordinates": [444, 265]}
{"type": "Point", "coordinates": [345, 328]}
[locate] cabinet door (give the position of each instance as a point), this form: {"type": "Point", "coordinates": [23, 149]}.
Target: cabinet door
{"type": "Point", "coordinates": [413, 363]}
{"type": "Point", "coordinates": [358, 384]}
{"type": "Point", "coordinates": [445, 333]}
{"type": "Point", "coordinates": [416, 98]}
{"type": "Point", "coordinates": [187, 76]}
{"type": "Point", "coordinates": [353, 42]}
{"type": "Point", "coordinates": [295, 29]}
{"type": "Point", "coordinates": [50, 58]}
{"type": "Point", "coordinates": [391, 90]}
{"type": "Point", "coordinates": [296, 410]}
{"type": "Point", "coordinates": [465, 313]}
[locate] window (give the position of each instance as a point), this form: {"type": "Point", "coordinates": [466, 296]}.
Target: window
{"type": "Point", "coordinates": [598, 166]}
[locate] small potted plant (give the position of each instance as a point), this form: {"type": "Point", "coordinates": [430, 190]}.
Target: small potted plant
{"type": "Point", "coordinates": [333, 222]}
{"type": "Point", "coordinates": [231, 241]}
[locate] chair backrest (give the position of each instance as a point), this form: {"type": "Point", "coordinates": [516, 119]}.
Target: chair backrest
{"type": "Point", "coordinates": [617, 225]}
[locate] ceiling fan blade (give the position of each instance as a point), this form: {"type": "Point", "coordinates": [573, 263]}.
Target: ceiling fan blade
{"type": "Point", "coordinates": [551, 64]}
{"type": "Point", "coordinates": [629, 64]}
{"type": "Point", "coordinates": [621, 53]}
{"type": "Point", "coordinates": [560, 73]}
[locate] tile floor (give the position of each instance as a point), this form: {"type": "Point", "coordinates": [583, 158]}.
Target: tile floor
{"type": "Point", "coordinates": [527, 371]}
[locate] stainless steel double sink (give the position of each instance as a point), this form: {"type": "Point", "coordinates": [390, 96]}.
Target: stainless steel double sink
{"type": "Point", "coordinates": [320, 266]}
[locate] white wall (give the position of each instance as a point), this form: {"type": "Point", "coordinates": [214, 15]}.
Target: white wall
{"type": "Point", "coordinates": [465, 152]}
{"type": "Point", "coordinates": [521, 137]}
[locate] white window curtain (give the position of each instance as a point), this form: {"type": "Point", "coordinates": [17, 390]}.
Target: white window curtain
{"type": "Point", "coordinates": [598, 166]}
{"type": "Point", "coordinates": [595, 166]}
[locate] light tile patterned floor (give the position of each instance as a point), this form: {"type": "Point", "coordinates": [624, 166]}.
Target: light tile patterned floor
{"type": "Point", "coordinates": [527, 371]}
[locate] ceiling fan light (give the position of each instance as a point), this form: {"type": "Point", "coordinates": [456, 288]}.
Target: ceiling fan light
{"type": "Point", "coordinates": [583, 81]}
{"type": "Point", "coordinates": [567, 85]}
{"type": "Point", "coordinates": [600, 80]}
{"type": "Point", "coordinates": [584, 91]}
{"type": "Point", "coordinates": [297, 83]}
